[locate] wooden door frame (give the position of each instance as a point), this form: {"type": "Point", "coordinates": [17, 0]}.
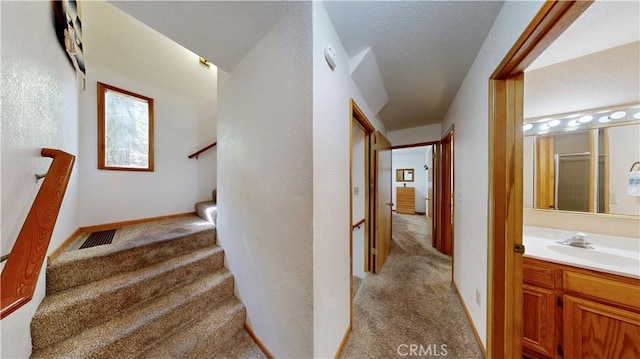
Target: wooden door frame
{"type": "Point", "coordinates": [505, 208]}
{"type": "Point", "coordinates": [435, 225]}
{"type": "Point", "coordinates": [434, 144]}
{"type": "Point", "coordinates": [356, 115]}
{"type": "Point", "coordinates": [443, 205]}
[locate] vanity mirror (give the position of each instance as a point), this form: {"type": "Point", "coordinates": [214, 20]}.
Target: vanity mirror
{"type": "Point", "coordinates": [404, 175]}
{"type": "Point", "coordinates": [582, 161]}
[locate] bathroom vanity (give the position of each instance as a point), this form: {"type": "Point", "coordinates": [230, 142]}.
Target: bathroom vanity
{"type": "Point", "coordinates": [579, 302]}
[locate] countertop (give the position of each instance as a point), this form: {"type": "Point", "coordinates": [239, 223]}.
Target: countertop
{"type": "Point", "coordinates": [610, 254]}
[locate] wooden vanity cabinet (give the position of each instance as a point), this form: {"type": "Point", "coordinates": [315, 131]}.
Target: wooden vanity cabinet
{"type": "Point", "coordinates": [541, 323]}
{"type": "Point", "coordinates": [571, 312]}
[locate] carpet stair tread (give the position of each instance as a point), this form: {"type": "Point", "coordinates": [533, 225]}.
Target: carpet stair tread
{"type": "Point", "coordinates": [144, 246]}
{"type": "Point", "coordinates": [207, 210]}
{"type": "Point", "coordinates": [202, 338]}
{"type": "Point", "coordinates": [239, 346]}
{"type": "Point", "coordinates": [66, 313]}
{"type": "Point", "coordinates": [130, 333]}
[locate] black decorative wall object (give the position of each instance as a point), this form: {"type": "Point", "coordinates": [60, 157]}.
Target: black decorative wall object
{"type": "Point", "coordinates": [69, 31]}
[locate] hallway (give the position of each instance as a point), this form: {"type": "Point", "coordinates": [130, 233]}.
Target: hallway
{"type": "Point", "coordinates": [411, 303]}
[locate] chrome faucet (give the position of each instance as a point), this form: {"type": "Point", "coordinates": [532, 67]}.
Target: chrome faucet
{"type": "Point", "coordinates": [578, 239]}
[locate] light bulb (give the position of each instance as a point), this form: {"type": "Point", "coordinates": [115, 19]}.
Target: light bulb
{"type": "Point", "coordinates": [585, 119]}
{"type": "Point", "coordinates": [618, 115]}
{"type": "Point", "coordinates": [554, 123]}
{"type": "Point", "coordinates": [573, 123]}
{"type": "Point", "coordinates": [527, 127]}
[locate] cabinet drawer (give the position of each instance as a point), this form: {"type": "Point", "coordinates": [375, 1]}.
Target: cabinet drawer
{"type": "Point", "coordinates": [603, 289]}
{"type": "Point", "coordinates": [538, 275]}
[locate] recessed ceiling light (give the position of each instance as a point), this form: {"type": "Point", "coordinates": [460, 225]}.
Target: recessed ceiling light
{"type": "Point", "coordinates": [543, 132]}
{"type": "Point", "coordinates": [544, 126]}
{"type": "Point", "coordinates": [585, 119]}
{"type": "Point", "coordinates": [637, 116]}
{"type": "Point", "coordinates": [618, 115]}
{"type": "Point", "coordinates": [573, 123]}
{"type": "Point", "coordinates": [604, 119]}
{"type": "Point", "coordinates": [554, 123]}
{"type": "Point", "coordinates": [568, 129]}
{"type": "Point", "coordinates": [527, 127]}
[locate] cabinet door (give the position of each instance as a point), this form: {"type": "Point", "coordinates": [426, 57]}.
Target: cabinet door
{"type": "Point", "coordinates": [593, 330]}
{"type": "Point", "coordinates": [538, 318]}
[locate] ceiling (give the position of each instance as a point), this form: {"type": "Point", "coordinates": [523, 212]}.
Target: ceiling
{"type": "Point", "coordinates": [423, 49]}
{"type": "Point", "coordinates": [220, 31]}
{"type": "Point", "coordinates": [604, 25]}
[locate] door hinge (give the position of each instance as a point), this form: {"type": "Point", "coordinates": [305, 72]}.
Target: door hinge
{"type": "Point", "coordinates": [559, 302]}
{"type": "Point", "coordinates": [374, 146]}
{"type": "Point", "coordinates": [560, 350]}
{"type": "Point", "coordinates": [374, 251]}
{"type": "Point", "coordinates": [519, 248]}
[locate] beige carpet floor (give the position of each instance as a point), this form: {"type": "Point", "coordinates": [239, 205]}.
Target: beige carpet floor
{"type": "Point", "coordinates": [411, 302]}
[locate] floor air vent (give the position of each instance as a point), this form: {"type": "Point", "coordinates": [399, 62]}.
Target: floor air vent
{"type": "Point", "coordinates": [99, 238]}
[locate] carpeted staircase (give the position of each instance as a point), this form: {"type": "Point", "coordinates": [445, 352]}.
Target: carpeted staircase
{"type": "Point", "coordinates": [158, 291]}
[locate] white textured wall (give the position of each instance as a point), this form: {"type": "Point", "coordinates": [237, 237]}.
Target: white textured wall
{"type": "Point", "coordinates": [123, 52]}
{"type": "Point", "coordinates": [332, 91]}
{"type": "Point", "coordinates": [39, 109]}
{"type": "Point", "coordinates": [409, 136]}
{"type": "Point", "coordinates": [359, 199]}
{"type": "Point", "coordinates": [624, 149]}
{"type": "Point", "coordinates": [469, 112]}
{"type": "Point", "coordinates": [603, 79]}
{"type": "Point", "coordinates": [417, 162]}
{"type": "Point", "coordinates": [265, 198]}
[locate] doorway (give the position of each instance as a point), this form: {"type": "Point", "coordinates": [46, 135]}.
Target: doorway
{"type": "Point", "coordinates": [359, 201]}
{"type": "Point", "coordinates": [413, 187]}
{"type": "Point", "coordinates": [370, 199]}
{"type": "Point", "coordinates": [506, 109]}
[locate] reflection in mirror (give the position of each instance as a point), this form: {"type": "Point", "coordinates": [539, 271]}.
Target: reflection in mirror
{"type": "Point", "coordinates": [582, 165]}
{"type": "Point", "coordinates": [404, 175]}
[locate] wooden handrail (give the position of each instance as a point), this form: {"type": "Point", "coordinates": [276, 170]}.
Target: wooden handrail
{"type": "Point", "coordinates": [20, 274]}
{"type": "Point", "coordinates": [357, 225]}
{"type": "Point", "coordinates": [197, 153]}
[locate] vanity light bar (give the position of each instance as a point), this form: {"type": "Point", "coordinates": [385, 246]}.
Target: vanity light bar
{"type": "Point", "coordinates": [572, 122]}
